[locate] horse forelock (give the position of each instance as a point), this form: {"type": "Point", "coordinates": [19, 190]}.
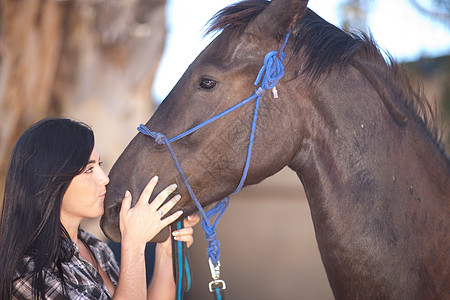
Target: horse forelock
{"type": "Point", "coordinates": [231, 22]}
{"type": "Point", "coordinates": [236, 17]}
{"type": "Point", "coordinates": [323, 47]}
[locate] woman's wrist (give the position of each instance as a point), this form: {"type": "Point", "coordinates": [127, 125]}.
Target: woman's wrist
{"type": "Point", "coordinates": [132, 246]}
{"type": "Point", "coordinates": [132, 283]}
{"type": "Point", "coordinates": [163, 252]}
{"type": "Point", "coordinates": [162, 285]}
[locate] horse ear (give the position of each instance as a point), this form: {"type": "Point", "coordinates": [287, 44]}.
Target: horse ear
{"type": "Point", "coordinates": [279, 16]}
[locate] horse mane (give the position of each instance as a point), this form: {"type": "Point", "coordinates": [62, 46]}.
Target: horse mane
{"type": "Point", "coordinates": [323, 46]}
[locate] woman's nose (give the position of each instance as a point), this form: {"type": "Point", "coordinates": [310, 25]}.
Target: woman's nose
{"type": "Point", "coordinates": [105, 178]}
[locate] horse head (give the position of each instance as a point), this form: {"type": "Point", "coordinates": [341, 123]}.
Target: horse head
{"type": "Point", "coordinates": [213, 157]}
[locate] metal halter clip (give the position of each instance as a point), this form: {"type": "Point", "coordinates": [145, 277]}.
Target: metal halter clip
{"type": "Point", "coordinates": [215, 274]}
{"type": "Point", "coordinates": [215, 270]}
{"type": "Point", "coordinates": [215, 282]}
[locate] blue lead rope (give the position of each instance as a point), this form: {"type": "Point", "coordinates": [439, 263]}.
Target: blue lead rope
{"type": "Point", "coordinates": [181, 268]}
{"type": "Point", "coordinates": [269, 75]}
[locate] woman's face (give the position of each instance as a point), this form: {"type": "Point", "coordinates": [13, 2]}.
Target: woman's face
{"type": "Point", "coordinates": [85, 195]}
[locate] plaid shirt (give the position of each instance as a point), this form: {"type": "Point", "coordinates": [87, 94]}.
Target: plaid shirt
{"type": "Point", "coordinates": [82, 280]}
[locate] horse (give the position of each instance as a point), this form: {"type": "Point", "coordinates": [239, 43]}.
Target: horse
{"type": "Point", "coordinates": [365, 145]}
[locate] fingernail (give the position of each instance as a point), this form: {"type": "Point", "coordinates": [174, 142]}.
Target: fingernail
{"type": "Point", "coordinates": [155, 178]}
{"type": "Point", "coordinates": [176, 198]}
{"type": "Point", "coordinates": [127, 193]}
{"type": "Point", "coordinates": [180, 212]}
{"type": "Point", "coordinates": [175, 238]}
{"type": "Point", "coordinates": [175, 233]}
{"type": "Point", "coordinates": [173, 186]}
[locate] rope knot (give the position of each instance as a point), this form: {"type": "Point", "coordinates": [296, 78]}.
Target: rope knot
{"type": "Point", "coordinates": [272, 70]}
{"type": "Point", "coordinates": [260, 92]}
{"type": "Point", "coordinates": [160, 138]}
{"type": "Point", "coordinates": [213, 249]}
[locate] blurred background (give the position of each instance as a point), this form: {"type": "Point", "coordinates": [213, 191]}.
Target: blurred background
{"type": "Point", "coordinates": [110, 63]}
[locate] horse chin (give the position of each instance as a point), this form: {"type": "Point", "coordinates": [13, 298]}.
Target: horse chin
{"type": "Point", "coordinates": [162, 236]}
{"type": "Point", "coordinates": [110, 229]}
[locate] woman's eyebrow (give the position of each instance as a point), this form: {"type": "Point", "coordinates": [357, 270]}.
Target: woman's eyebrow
{"type": "Point", "coordinates": [93, 161]}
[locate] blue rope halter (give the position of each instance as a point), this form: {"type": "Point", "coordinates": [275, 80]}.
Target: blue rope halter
{"type": "Point", "coordinates": [269, 75]}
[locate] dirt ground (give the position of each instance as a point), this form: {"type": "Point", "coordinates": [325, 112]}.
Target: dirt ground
{"type": "Point", "coordinates": [268, 246]}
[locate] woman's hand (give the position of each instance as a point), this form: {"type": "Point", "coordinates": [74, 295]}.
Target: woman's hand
{"type": "Point", "coordinates": [140, 224]}
{"type": "Point", "coordinates": [184, 235]}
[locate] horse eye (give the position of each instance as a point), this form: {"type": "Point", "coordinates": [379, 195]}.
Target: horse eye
{"type": "Point", "coordinates": [208, 84]}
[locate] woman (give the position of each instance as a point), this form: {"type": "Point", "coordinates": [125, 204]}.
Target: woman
{"type": "Point", "coordinates": [54, 181]}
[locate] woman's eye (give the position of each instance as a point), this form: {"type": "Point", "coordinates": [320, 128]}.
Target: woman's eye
{"type": "Point", "coordinates": [89, 170]}
{"type": "Point", "coordinates": [208, 84]}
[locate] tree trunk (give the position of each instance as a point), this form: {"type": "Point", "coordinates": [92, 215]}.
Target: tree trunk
{"type": "Point", "coordinates": [93, 60]}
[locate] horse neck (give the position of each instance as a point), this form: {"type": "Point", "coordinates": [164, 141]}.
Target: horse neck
{"type": "Point", "coordinates": [376, 188]}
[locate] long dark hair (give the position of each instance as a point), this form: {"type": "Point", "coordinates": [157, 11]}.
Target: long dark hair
{"type": "Point", "coordinates": [44, 161]}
